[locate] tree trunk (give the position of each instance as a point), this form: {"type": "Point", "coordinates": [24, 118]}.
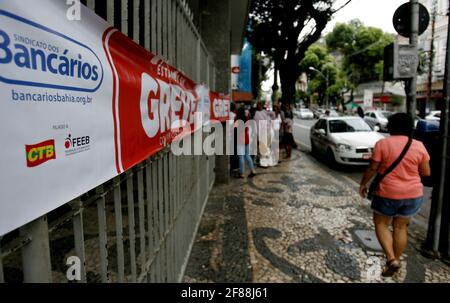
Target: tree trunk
{"type": "Point", "coordinates": [288, 80]}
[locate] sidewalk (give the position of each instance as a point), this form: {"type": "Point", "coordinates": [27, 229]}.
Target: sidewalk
{"type": "Point", "coordinates": [297, 222]}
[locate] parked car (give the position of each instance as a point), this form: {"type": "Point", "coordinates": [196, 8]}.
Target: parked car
{"type": "Point", "coordinates": [377, 118]}
{"type": "Point", "coordinates": [331, 113]}
{"type": "Point", "coordinates": [344, 140]}
{"type": "Point", "coordinates": [305, 113]}
{"type": "Point", "coordinates": [318, 113]}
{"type": "Point", "coordinates": [434, 115]}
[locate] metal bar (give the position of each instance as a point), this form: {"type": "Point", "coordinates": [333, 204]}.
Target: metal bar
{"type": "Point", "coordinates": [171, 215]}
{"type": "Point", "coordinates": [156, 237]}
{"type": "Point", "coordinates": [174, 214]}
{"type": "Point", "coordinates": [36, 262]}
{"type": "Point", "coordinates": [131, 226]}
{"type": "Point", "coordinates": [119, 230]}
{"type": "Point", "coordinates": [110, 11]}
{"type": "Point", "coordinates": [2, 275]}
{"type": "Point", "coordinates": [147, 29]}
{"type": "Point", "coordinates": [159, 28]}
{"type": "Point", "coordinates": [91, 4]}
{"type": "Point", "coordinates": [124, 17]}
{"type": "Point", "coordinates": [102, 234]}
{"type": "Point", "coordinates": [160, 215]}
{"type": "Point", "coordinates": [150, 221]}
{"type": "Point", "coordinates": [154, 29]}
{"type": "Point", "coordinates": [166, 215]}
{"type": "Point", "coordinates": [164, 29]}
{"type": "Point", "coordinates": [413, 40]}
{"type": "Point", "coordinates": [179, 37]}
{"type": "Point", "coordinates": [169, 31]}
{"type": "Point", "coordinates": [136, 21]}
{"type": "Point", "coordinates": [140, 183]}
{"type": "Point", "coordinates": [78, 233]}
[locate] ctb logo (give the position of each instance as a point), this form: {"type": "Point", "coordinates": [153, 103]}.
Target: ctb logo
{"type": "Point", "coordinates": [40, 153]}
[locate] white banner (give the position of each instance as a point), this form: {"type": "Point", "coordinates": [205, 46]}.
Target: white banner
{"type": "Point", "coordinates": [73, 112]}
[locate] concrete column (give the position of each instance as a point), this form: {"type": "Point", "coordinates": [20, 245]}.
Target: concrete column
{"type": "Point", "coordinates": [215, 25]}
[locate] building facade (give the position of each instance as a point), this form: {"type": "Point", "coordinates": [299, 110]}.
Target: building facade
{"type": "Point", "coordinates": [430, 93]}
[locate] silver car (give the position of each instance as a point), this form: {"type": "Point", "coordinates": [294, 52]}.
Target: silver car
{"type": "Point", "coordinates": [377, 118]}
{"type": "Point", "coordinates": [305, 113]}
{"type": "Point", "coordinates": [344, 140]}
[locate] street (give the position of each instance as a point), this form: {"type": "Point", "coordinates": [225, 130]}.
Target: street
{"type": "Point", "coordinates": [302, 137]}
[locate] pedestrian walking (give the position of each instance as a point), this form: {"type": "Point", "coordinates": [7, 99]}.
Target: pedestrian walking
{"type": "Point", "coordinates": [264, 126]}
{"type": "Point", "coordinates": [288, 137]}
{"type": "Point", "coordinates": [243, 146]}
{"type": "Point", "coordinates": [234, 159]}
{"type": "Point", "coordinates": [397, 190]}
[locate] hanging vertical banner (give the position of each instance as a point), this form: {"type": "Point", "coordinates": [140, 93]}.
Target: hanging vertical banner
{"type": "Point", "coordinates": [80, 104]}
{"type": "Point", "coordinates": [245, 75]}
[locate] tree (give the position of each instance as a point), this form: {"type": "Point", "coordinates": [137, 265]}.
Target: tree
{"type": "Point", "coordinates": [362, 49]}
{"type": "Point", "coordinates": [318, 58]}
{"type": "Point", "coordinates": [260, 66]}
{"type": "Point", "coordinates": [284, 29]}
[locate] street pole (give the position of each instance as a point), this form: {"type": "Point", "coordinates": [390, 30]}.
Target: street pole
{"type": "Point", "coordinates": [444, 193]}
{"type": "Point", "coordinates": [438, 222]}
{"type": "Point", "coordinates": [430, 64]}
{"type": "Point", "coordinates": [413, 40]}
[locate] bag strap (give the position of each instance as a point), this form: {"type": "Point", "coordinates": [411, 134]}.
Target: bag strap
{"type": "Point", "coordinates": [399, 159]}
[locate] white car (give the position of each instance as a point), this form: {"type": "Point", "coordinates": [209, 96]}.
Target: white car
{"type": "Point", "coordinates": [434, 115]}
{"type": "Point", "coordinates": [305, 113]}
{"type": "Point", "coordinates": [377, 118]}
{"type": "Point", "coordinates": [344, 140]}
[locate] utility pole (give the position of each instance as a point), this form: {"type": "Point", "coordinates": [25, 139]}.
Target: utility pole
{"type": "Point", "coordinates": [444, 193]}
{"type": "Point", "coordinates": [413, 41]}
{"type": "Point", "coordinates": [439, 224]}
{"type": "Point", "coordinates": [430, 63]}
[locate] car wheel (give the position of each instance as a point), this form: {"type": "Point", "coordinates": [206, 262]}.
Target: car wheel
{"type": "Point", "coordinates": [331, 160]}
{"type": "Point", "coordinates": [313, 149]}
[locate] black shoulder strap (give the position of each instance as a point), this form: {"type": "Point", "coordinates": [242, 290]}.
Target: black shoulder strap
{"type": "Point", "coordinates": [399, 159]}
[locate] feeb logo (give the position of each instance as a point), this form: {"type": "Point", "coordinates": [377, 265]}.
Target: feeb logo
{"type": "Point", "coordinates": [40, 153]}
{"type": "Point", "coordinates": [34, 55]}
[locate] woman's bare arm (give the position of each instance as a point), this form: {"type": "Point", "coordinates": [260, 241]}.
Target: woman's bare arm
{"type": "Point", "coordinates": [424, 169]}
{"type": "Point", "coordinates": [370, 172]}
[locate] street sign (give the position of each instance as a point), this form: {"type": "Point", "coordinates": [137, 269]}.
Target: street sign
{"type": "Point", "coordinates": [368, 98]}
{"type": "Point", "coordinates": [402, 19]}
{"type": "Point", "coordinates": [400, 62]}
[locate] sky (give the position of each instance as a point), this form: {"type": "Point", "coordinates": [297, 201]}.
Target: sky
{"type": "Point", "coordinates": [376, 13]}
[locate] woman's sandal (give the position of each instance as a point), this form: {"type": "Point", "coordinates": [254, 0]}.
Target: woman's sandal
{"type": "Point", "coordinates": [391, 268]}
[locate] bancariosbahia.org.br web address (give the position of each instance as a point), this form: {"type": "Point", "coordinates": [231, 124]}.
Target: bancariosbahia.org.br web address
{"type": "Point", "coordinates": [46, 97]}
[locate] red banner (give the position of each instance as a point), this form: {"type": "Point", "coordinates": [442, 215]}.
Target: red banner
{"type": "Point", "coordinates": [152, 100]}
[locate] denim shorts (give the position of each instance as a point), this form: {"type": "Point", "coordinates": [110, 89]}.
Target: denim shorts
{"type": "Point", "coordinates": [396, 208]}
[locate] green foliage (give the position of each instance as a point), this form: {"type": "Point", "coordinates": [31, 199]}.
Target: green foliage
{"type": "Point", "coordinates": [362, 49]}
{"type": "Point", "coordinates": [281, 29]}
{"type": "Point", "coordinates": [317, 57]}
{"type": "Point", "coordinates": [260, 66]}
{"type": "Point", "coordinates": [396, 100]}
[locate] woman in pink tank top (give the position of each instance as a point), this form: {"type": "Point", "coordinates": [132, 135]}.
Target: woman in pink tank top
{"type": "Point", "coordinates": [399, 195]}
